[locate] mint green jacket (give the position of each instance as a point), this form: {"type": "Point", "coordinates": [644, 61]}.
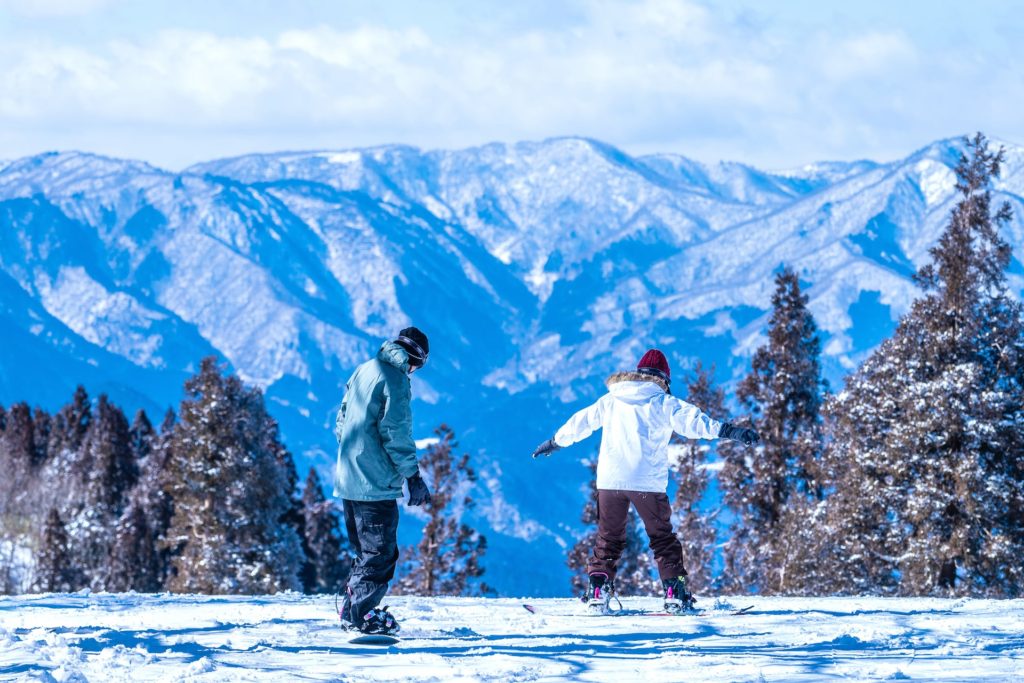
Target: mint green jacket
{"type": "Point", "coordinates": [376, 451]}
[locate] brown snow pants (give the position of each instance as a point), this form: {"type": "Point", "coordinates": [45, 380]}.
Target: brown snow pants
{"type": "Point", "coordinates": [656, 514]}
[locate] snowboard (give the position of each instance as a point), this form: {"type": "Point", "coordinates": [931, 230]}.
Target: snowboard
{"type": "Point", "coordinates": [684, 613]}
{"type": "Point", "coordinates": [373, 639]}
{"type": "Point", "coordinates": [647, 613]}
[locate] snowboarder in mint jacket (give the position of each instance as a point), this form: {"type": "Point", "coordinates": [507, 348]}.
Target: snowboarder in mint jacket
{"type": "Point", "coordinates": [376, 454]}
{"type": "Point", "coordinates": [638, 416]}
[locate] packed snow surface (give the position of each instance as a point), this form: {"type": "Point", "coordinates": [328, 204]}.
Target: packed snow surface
{"type": "Point", "coordinates": [108, 637]}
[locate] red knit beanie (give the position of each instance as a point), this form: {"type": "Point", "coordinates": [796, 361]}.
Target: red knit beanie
{"type": "Point", "coordinates": [655, 360]}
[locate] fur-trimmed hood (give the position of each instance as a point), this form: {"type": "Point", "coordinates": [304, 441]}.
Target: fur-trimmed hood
{"type": "Point", "coordinates": [633, 376]}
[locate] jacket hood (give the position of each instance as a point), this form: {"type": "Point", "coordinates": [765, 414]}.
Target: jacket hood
{"type": "Point", "coordinates": [393, 354]}
{"type": "Point", "coordinates": [635, 385]}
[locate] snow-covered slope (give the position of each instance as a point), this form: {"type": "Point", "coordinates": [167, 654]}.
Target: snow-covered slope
{"type": "Point", "coordinates": [291, 638]}
{"type": "Point", "coordinates": [536, 269]}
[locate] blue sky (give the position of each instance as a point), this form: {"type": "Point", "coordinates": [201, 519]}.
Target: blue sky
{"type": "Point", "coordinates": [772, 84]}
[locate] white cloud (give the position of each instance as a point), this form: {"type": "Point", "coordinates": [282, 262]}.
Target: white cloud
{"type": "Point", "coordinates": [667, 75]}
{"type": "Point", "coordinates": [867, 55]}
{"type": "Point", "coordinates": [53, 8]}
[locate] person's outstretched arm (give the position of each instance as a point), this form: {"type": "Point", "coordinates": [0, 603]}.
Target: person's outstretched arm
{"type": "Point", "coordinates": [689, 421]}
{"type": "Point", "coordinates": [580, 426]}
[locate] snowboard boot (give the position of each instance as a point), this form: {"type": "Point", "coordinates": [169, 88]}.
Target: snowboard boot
{"type": "Point", "coordinates": [678, 598]}
{"type": "Point", "coordinates": [379, 621]}
{"type": "Point", "coordinates": [599, 594]}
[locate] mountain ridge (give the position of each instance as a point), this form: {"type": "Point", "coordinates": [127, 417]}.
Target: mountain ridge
{"type": "Point", "coordinates": [537, 268]}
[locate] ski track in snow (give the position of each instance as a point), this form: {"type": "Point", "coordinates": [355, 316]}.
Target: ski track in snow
{"type": "Point", "coordinates": [110, 637]}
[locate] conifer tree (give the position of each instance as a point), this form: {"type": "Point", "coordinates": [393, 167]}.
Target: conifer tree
{"type": "Point", "coordinates": [70, 424]}
{"type": "Point", "coordinates": [695, 528]}
{"type": "Point", "coordinates": [229, 487]}
{"type": "Point", "coordinates": [107, 464]}
{"type": "Point", "coordinates": [135, 559]}
{"type": "Point", "coordinates": [54, 569]}
{"type": "Point", "coordinates": [155, 478]}
{"type": "Point", "coordinates": [294, 517]}
{"type": "Point", "coordinates": [41, 424]}
{"type": "Point", "coordinates": [327, 551]}
{"type": "Point", "coordinates": [104, 473]}
{"type": "Point", "coordinates": [142, 435]}
{"type": "Point", "coordinates": [774, 487]}
{"type": "Point", "coordinates": [19, 511]}
{"type": "Point", "coordinates": [19, 437]}
{"type": "Point", "coordinates": [927, 437]}
{"type": "Point", "coordinates": [447, 560]}
{"type": "Point", "coordinates": [17, 456]}
{"type": "Point", "coordinates": [139, 558]}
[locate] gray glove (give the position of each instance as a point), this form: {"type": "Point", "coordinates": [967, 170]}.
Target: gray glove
{"type": "Point", "coordinates": [546, 448]}
{"type": "Point", "coordinates": [419, 494]}
{"type": "Point", "coordinates": [748, 436]}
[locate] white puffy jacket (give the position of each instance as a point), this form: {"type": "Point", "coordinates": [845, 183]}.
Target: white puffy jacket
{"type": "Point", "coordinates": [638, 417]}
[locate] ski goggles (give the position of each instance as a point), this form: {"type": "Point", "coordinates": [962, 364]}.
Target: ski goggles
{"type": "Point", "coordinates": [655, 372]}
{"type": "Point", "coordinates": [417, 355]}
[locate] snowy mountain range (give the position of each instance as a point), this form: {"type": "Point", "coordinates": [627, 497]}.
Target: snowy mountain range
{"type": "Point", "coordinates": [535, 268]}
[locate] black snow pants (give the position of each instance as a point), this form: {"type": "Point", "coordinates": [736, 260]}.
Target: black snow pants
{"type": "Point", "coordinates": [373, 531]}
{"type": "Point", "coordinates": [656, 514]}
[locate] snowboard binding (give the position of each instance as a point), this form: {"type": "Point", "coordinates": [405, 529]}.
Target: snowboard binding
{"type": "Point", "coordinates": [599, 594]}
{"type": "Point", "coordinates": [379, 621]}
{"type": "Point", "coordinates": [678, 598]}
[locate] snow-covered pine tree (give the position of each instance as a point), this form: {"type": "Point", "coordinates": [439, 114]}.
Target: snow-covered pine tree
{"type": "Point", "coordinates": [134, 562]}
{"type": "Point", "coordinates": [636, 571]}
{"type": "Point", "coordinates": [696, 528]}
{"type": "Point", "coordinates": [928, 435]}
{"type": "Point", "coordinates": [229, 487]}
{"type": "Point", "coordinates": [17, 459]}
{"type": "Point", "coordinates": [70, 424]}
{"type": "Point", "coordinates": [775, 487]}
{"type": "Point", "coordinates": [295, 518]}
{"type": "Point", "coordinates": [60, 482]}
{"type": "Point", "coordinates": [447, 559]}
{"type": "Point", "coordinates": [103, 473]}
{"type": "Point", "coordinates": [138, 559]}
{"type": "Point", "coordinates": [41, 436]}
{"type": "Point", "coordinates": [16, 525]}
{"type": "Point", "coordinates": [327, 550]}
{"type": "Point", "coordinates": [54, 569]}
{"type": "Point", "coordinates": [155, 478]}
{"type": "Point", "coordinates": [142, 435]}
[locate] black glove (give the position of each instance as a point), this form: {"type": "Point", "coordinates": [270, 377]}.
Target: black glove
{"type": "Point", "coordinates": [419, 494]}
{"type": "Point", "coordinates": [748, 436]}
{"type": "Point", "coordinates": [546, 448]}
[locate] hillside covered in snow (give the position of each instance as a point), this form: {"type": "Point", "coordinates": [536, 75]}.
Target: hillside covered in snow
{"type": "Point", "coordinates": [107, 637]}
{"type": "Point", "coordinates": [536, 269]}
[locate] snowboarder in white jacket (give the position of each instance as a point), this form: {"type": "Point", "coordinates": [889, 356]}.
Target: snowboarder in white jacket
{"type": "Point", "coordinates": [638, 416]}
